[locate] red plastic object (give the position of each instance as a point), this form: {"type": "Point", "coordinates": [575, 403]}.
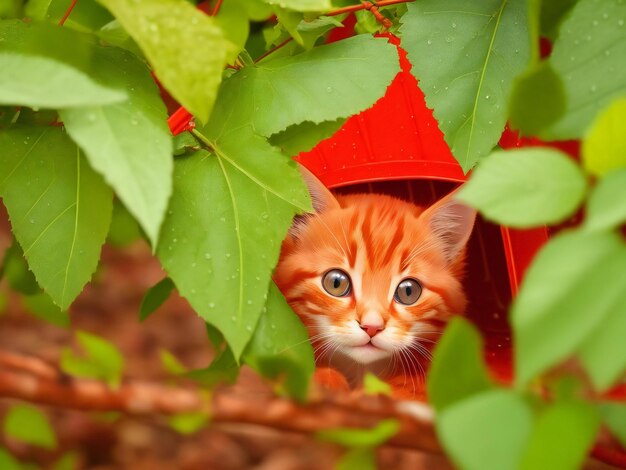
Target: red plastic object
{"type": "Point", "coordinates": [398, 140]}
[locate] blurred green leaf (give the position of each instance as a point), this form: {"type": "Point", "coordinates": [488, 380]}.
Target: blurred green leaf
{"type": "Point", "coordinates": [171, 363]}
{"type": "Point", "coordinates": [42, 306]}
{"type": "Point", "coordinates": [603, 353]}
{"type": "Point", "coordinates": [604, 147]}
{"type": "Point", "coordinates": [374, 386]}
{"type": "Point", "coordinates": [573, 275]}
{"type": "Point", "coordinates": [164, 28]}
{"type": "Point", "coordinates": [605, 207]}
{"type": "Point", "coordinates": [487, 431]}
{"type": "Point", "coordinates": [59, 208]}
{"type": "Point", "coordinates": [302, 5]}
{"type": "Point", "coordinates": [8, 462]}
{"type": "Point", "coordinates": [234, 24]}
{"type": "Point", "coordinates": [188, 423]}
{"type": "Point", "coordinates": [124, 229]}
{"type": "Point", "coordinates": [614, 415]}
{"type": "Point", "coordinates": [360, 458]}
{"type": "Point", "coordinates": [465, 57]}
{"type": "Point", "coordinates": [100, 360]}
{"type": "Point", "coordinates": [460, 349]}
{"type": "Point", "coordinates": [27, 424]}
{"type": "Point", "coordinates": [223, 369]}
{"type": "Point", "coordinates": [355, 437]}
{"type": "Point", "coordinates": [16, 272]}
{"type": "Point", "coordinates": [552, 14]}
{"type": "Point", "coordinates": [589, 55]}
{"type": "Point", "coordinates": [128, 143]}
{"type": "Point", "coordinates": [280, 348]}
{"type": "Point", "coordinates": [304, 136]}
{"type": "Point", "coordinates": [68, 461]}
{"type": "Point", "coordinates": [562, 436]}
{"type": "Point", "coordinates": [537, 99]}
{"type": "Point", "coordinates": [155, 297]}
{"type": "Point", "coordinates": [49, 67]}
{"type": "Point", "coordinates": [525, 187]}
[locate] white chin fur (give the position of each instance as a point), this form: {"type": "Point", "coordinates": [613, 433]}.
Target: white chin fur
{"type": "Point", "coordinates": [367, 354]}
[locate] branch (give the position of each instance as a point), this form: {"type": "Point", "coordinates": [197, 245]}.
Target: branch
{"type": "Point", "coordinates": [33, 380]}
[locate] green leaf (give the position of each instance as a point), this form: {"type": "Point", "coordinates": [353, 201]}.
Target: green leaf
{"type": "Point", "coordinates": [460, 349]}
{"type": "Point", "coordinates": [360, 458]}
{"type": "Point", "coordinates": [124, 229]}
{"type": "Point", "coordinates": [525, 187]}
{"type": "Point", "coordinates": [604, 147]}
{"type": "Point", "coordinates": [220, 255]}
{"type": "Point", "coordinates": [15, 270]}
{"type": "Point", "coordinates": [488, 431]}
{"type": "Point", "coordinates": [59, 208]}
{"type": "Point", "coordinates": [27, 424]}
{"type": "Point", "coordinates": [605, 207]}
{"type": "Point", "coordinates": [614, 415]}
{"type": "Point", "coordinates": [562, 436]}
{"type": "Point", "coordinates": [466, 57]}
{"type": "Point", "coordinates": [552, 14]}
{"type": "Point", "coordinates": [603, 353]}
{"type": "Point", "coordinates": [155, 296]}
{"type": "Point", "coordinates": [302, 5]}
{"type": "Point", "coordinates": [101, 360]}
{"type": "Point", "coordinates": [333, 81]}
{"type": "Point", "coordinates": [171, 364]}
{"type": "Point", "coordinates": [280, 347]}
{"type": "Point", "coordinates": [304, 136]}
{"type": "Point", "coordinates": [42, 306]}
{"type": "Point", "coordinates": [537, 99]}
{"type": "Point", "coordinates": [589, 56]}
{"type": "Point", "coordinates": [185, 142]}
{"type": "Point", "coordinates": [8, 462]}
{"type": "Point", "coordinates": [49, 67]}
{"type": "Point", "coordinates": [68, 461]}
{"type": "Point", "coordinates": [234, 25]}
{"type": "Point", "coordinates": [223, 369]}
{"type": "Point", "coordinates": [572, 285]}
{"type": "Point", "coordinates": [164, 28]}
{"type": "Point", "coordinates": [374, 386]}
{"type": "Point", "coordinates": [128, 143]}
{"type": "Point", "coordinates": [188, 423]}
{"type": "Point", "coordinates": [355, 437]}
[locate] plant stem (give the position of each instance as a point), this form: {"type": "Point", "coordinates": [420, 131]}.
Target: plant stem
{"type": "Point", "coordinates": [365, 6]}
{"type": "Point", "coordinates": [271, 51]}
{"type": "Point", "coordinates": [67, 13]}
{"type": "Point", "coordinates": [202, 138]}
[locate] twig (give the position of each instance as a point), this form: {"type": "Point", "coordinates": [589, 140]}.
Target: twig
{"type": "Point", "coordinates": [365, 6]}
{"type": "Point", "coordinates": [29, 379]}
{"type": "Point", "coordinates": [67, 13]}
{"type": "Point", "coordinates": [274, 49]}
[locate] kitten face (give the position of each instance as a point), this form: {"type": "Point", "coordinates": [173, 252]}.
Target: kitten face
{"type": "Point", "coordinates": [374, 278]}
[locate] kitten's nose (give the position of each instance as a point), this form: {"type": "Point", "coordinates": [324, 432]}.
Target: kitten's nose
{"type": "Point", "coordinates": [372, 322]}
{"type": "Point", "coordinates": [371, 330]}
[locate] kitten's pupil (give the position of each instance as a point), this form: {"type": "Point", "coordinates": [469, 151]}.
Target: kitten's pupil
{"type": "Point", "coordinates": [408, 292]}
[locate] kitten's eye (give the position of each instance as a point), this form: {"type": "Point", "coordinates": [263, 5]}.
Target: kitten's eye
{"type": "Point", "coordinates": [408, 291]}
{"type": "Point", "coordinates": [336, 283]}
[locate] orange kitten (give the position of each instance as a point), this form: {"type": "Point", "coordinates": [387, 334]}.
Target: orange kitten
{"type": "Point", "coordinates": [374, 279]}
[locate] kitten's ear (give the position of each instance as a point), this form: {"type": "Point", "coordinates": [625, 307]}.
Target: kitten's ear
{"type": "Point", "coordinates": [321, 197]}
{"type": "Point", "coordinates": [451, 221]}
